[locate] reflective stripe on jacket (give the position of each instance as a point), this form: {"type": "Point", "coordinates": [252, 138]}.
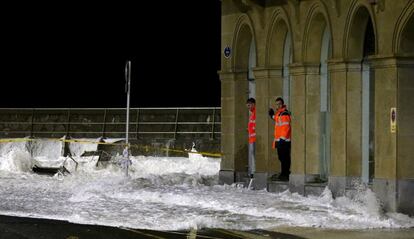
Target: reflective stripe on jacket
{"type": "Point", "coordinates": [251, 126]}
{"type": "Point", "coordinates": [282, 125]}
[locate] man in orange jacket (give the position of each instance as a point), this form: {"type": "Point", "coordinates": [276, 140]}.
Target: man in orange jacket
{"type": "Point", "coordinates": [251, 129]}
{"type": "Point", "coordinates": [282, 137]}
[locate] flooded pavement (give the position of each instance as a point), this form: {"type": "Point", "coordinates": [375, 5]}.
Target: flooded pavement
{"type": "Point", "coordinates": [32, 228]}
{"type": "Point", "coordinates": [169, 197]}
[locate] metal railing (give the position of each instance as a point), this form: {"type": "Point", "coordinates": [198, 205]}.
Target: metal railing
{"type": "Point", "coordinates": [110, 122]}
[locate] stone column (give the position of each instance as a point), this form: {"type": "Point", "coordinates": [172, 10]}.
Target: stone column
{"type": "Point", "coordinates": [337, 172]}
{"type": "Point", "coordinates": [385, 181]}
{"type": "Point", "coordinates": [268, 85]}
{"type": "Point", "coordinates": [312, 122]}
{"type": "Point", "coordinates": [353, 130]}
{"type": "Point", "coordinates": [275, 90]}
{"type": "Point", "coordinates": [405, 135]}
{"type": "Point", "coordinates": [346, 125]}
{"type": "Point", "coordinates": [394, 168]}
{"type": "Point", "coordinates": [234, 117]}
{"type": "Point", "coordinates": [298, 110]}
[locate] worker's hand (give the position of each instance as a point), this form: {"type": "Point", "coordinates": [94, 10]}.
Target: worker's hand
{"type": "Point", "coordinates": [271, 112]}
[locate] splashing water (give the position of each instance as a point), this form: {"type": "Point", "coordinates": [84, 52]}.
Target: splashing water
{"type": "Point", "coordinates": [194, 154]}
{"type": "Point", "coordinates": [171, 193]}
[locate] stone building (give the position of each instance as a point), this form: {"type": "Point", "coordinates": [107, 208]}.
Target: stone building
{"type": "Point", "coordinates": [346, 71]}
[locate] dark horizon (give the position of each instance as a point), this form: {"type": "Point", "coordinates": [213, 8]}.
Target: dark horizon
{"type": "Point", "coordinates": [73, 56]}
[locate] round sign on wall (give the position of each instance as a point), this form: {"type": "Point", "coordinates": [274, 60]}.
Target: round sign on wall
{"type": "Point", "coordinates": [227, 52]}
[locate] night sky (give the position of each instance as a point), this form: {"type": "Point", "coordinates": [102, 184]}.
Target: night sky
{"type": "Point", "coordinates": [67, 55]}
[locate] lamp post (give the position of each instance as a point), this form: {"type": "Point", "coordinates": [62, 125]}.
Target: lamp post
{"type": "Point", "coordinates": [125, 153]}
{"type": "Point", "coordinates": [128, 90]}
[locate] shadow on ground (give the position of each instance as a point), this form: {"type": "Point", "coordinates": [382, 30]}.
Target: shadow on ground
{"type": "Point", "coordinates": [32, 228]}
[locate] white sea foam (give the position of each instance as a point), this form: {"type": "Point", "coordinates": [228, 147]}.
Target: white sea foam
{"type": "Point", "coordinates": [77, 149]}
{"type": "Point", "coordinates": [170, 193]}
{"type": "Point", "coordinates": [46, 148]}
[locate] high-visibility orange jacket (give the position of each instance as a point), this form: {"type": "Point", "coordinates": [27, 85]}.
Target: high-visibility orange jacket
{"type": "Point", "coordinates": [282, 125]}
{"type": "Point", "coordinates": [251, 126]}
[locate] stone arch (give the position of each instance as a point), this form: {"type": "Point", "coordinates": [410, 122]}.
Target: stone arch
{"type": "Point", "coordinates": [403, 43]}
{"type": "Point", "coordinates": [277, 34]}
{"type": "Point", "coordinates": [354, 39]}
{"type": "Point", "coordinates": [316, 45]}
{"type": "Point", "coordinates": [243, 36]}
{"type": "Point", "coordinates": [360, 41]}
{"type": "Point", "coordinates": [318, 21]}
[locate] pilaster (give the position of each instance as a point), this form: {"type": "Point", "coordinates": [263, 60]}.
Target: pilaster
{"type": "Point", "coordinates": [234, 122]}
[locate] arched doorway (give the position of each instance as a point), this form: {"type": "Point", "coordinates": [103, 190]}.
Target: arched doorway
{"type": "Point", "coordinates": [361, 45]}
{"type": "Point", "coordinates": [368, 113]}
{"type": "Point", "coordinates": [280, 55]}
{"type": "Point", "coordinates": [317, 53]}
{"type": "Point", "coordinates": [325, 139]}
{"type": "Point", "coordinates": [245, 87]}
